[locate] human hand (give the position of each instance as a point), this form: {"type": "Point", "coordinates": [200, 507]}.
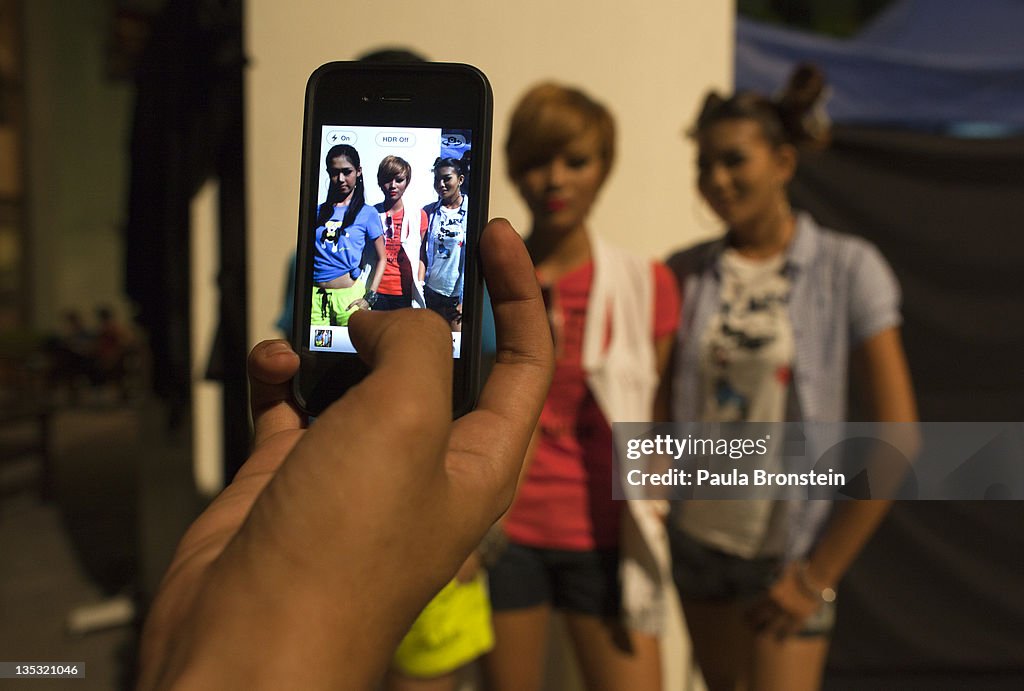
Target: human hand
{"type": "Point", "coordinates": [358, 304]}
{"type": "Point", "coordinates": [469, 569]}
{"type": "Point", "coordinates": [279, 583]}
{"type": "Point", "coordinates": [786, 606]}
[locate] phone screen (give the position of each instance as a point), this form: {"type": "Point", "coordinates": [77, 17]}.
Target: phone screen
{"type": "Point", "coordinates": [393, 199]}
{"type": "Point", "coordinates": [406, 244]}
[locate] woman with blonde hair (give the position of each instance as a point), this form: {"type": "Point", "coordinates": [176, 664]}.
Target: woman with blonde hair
{"type": "Point", "coordinates": [570, 547]}
{"type": "Point", "coordinates": [404, 232]}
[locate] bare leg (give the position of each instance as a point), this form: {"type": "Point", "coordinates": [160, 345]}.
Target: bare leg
{"type": "Point", "coordinates": [520, 642]}
{"type": "Point", "coordinates": [722, 643]}
{"type": "Point", "coordinates": [613, 658]}
{"type": "Point", "coordinates": [791, 664]}
{"type": "Point", "coordinates": [733, 658]}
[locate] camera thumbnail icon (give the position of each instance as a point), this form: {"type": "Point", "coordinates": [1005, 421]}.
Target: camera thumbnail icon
{"type": "Point", "coordinates": [322, 338]}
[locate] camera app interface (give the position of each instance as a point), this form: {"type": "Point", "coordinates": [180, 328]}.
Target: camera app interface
{"type": "Point", "coordinates": [390, 227]}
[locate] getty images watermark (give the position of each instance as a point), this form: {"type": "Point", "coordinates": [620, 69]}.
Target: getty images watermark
{"type": "Point", "coordinates": [815, 460]}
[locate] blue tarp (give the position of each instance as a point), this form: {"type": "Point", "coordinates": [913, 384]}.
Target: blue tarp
{"type": "Point", "coordinates": [921, 63]}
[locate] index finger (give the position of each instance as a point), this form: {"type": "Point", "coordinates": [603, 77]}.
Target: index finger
{"type": "Point", "coordinates": [410, 354]}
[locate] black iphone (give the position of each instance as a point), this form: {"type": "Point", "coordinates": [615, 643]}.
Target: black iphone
{"type": "Point", "coordinates": [393, 199]}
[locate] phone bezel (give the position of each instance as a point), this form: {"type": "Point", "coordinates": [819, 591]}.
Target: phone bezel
{"type": "Point", "coordinates": [442, 95]}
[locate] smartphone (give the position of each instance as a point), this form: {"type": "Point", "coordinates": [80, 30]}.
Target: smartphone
{"type": "Point", "coordinates": [393, 199]}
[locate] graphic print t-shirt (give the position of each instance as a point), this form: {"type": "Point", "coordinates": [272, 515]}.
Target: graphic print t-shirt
{"type": "Point", "coordinates": [338, 251]}
{"type": "Point", "coordinates": [746, 355]}
{"type": "Point", "coordinates": [446, 242]}
{"type": "Point", "coordinates": [398, 275]}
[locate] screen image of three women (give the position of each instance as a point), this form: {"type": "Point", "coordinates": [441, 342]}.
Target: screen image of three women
{"type": "Point", "coordinates": [387, 257]}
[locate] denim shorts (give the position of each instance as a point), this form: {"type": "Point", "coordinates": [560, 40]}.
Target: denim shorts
{"type": "Point", "coordinates": [447, 307]}
{"type": "Point", "coordinates": [705, 574]}
{"type": "Point", "coordinates": [586, 582]}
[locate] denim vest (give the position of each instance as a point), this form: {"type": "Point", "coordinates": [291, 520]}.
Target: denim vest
{"type": "Point", "coordinates": [843, 292]}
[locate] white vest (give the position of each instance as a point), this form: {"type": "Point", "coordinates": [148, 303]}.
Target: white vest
{"type": "Point", "coordinates": [623, 378]}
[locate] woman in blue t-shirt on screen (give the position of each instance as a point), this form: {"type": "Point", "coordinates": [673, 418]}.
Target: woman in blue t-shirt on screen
{"type": "Point", "coordinates": [344, 228]}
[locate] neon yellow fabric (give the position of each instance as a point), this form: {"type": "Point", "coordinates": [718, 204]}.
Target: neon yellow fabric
{"type": "Point", "coordinates": [330, 305]}
{"type": "Point", "coordinates": [451, 631]}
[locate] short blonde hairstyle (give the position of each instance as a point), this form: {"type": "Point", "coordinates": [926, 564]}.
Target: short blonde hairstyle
{"type": "Point", "coordinates": [391, 167]}
{"type": "Point", "coordinates": [547, 118]}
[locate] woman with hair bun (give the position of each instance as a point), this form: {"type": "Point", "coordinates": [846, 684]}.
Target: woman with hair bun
{"type": "Point", "coordinates": [601, 564]}
{"type": "Point", "coordinates": [775, 315]}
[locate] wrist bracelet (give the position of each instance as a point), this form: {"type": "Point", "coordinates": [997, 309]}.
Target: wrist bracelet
{"type": "Point", "coordinates": [811, 589]}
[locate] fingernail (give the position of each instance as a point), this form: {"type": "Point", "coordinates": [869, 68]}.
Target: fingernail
{"type": "Point", "coordinates": [276, 348]}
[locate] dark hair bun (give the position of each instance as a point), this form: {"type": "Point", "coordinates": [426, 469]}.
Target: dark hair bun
{"type": "Point", "coordinates": [801, 106]}
{"type": "Point", "coordinates": [797, 116]}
